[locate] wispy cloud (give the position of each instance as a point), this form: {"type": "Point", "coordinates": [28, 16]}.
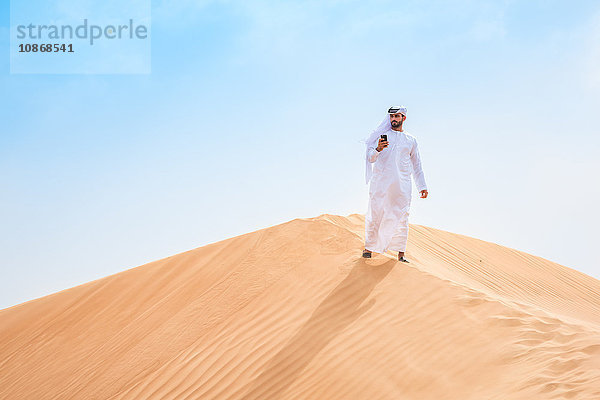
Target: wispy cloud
{"type": "Point", "coordinates": [591, 56]}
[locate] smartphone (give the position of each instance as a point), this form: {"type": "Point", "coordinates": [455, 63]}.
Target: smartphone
{"type": "Point", "coordinates": [384, 137]}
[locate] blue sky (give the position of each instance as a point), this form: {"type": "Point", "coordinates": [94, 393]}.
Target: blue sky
{"type": "Point", "coordinates": [253, 113]}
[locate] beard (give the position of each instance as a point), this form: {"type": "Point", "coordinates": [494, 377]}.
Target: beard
{"type": "Point", "coordinates": [396, 124]}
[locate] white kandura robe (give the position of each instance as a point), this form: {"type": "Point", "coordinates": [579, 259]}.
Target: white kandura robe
{"type": "Point", "coordinates": [390, 191]}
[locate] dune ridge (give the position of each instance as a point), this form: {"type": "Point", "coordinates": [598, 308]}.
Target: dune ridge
{"type": "Point", "coordinates": [293, 312]}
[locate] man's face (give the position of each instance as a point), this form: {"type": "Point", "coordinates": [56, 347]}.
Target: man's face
{"type": "Point", "coordinates": [396, 120]}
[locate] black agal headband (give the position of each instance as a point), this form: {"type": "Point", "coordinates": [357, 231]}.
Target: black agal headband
{"type": "Point", "coordinates": [397, 109]}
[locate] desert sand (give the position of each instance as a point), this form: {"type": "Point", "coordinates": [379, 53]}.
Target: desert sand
{"type": "Point", "coordinates": [293, 311]}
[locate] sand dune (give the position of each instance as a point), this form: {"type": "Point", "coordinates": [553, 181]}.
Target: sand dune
{"type": "Point", "coordinates": [293, 312]}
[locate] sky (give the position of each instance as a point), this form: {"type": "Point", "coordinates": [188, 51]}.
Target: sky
{"type": "Point", "coordinates": [252, 114]}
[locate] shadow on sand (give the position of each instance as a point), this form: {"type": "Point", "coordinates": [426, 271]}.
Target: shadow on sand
{"type": "Point", "coordinates": [338, 310]}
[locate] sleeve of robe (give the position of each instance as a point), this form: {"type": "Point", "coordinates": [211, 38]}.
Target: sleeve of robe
{"type": "Point", "coordinates": [418, 174]}
{"type": "Point", "coordinates": [372, 154]}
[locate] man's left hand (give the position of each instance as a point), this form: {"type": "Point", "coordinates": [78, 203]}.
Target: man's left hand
{"type": "Point", "coordinates": [424, 194]}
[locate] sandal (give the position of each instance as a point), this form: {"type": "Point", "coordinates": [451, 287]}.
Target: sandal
{"type": "Point", "coordinates": [366, 253]}
{"type": "Point", "coordinates": [401, 258]}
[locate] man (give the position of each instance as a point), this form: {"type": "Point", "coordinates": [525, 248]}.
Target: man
{"type": "Point", "coordinates": [389, 165]}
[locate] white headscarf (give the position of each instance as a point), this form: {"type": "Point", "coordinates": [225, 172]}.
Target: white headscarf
{"type": "Point", "coordinates": [372, 140]}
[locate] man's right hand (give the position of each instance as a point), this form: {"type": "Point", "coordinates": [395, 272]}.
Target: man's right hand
{"type": "Point", "coordinates": [382, 144]}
